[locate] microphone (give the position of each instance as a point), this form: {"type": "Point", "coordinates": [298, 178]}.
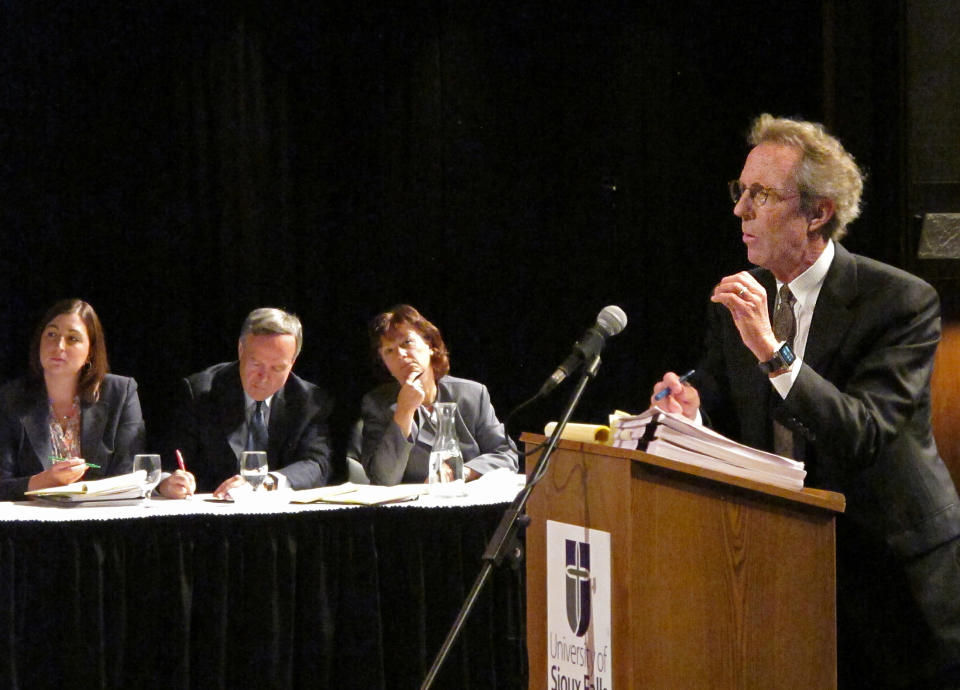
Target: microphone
{"type": "Point", "coordinates": [610, 321]}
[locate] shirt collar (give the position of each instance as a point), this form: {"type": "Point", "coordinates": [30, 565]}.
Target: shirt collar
{"type": "Point", "coordinates": [806, 286]}
{"type": "Point", "coordinates": [249, 403]}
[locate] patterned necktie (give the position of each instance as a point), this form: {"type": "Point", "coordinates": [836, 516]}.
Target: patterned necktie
{"type": "Point", "coordinates": [784, 328]}
{"type": "Point", "coordinates": [784, 321]}
{"type": "Point", "coordinates": [257, 433]}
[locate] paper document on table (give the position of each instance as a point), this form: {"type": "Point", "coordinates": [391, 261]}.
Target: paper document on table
{"type": "Point", "coordinates": [675, 437]}
{"type": "Point", "coordinates": [360, 494]}
{"type": "Point", "coordinates": [121, 486]}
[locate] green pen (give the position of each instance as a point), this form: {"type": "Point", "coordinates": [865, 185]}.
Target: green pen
{"type": "Point", "coordinates": [57, 458]}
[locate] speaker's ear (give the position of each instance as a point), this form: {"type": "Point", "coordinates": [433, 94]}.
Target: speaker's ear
{"type": "Point", "coordinates": [819, 212]}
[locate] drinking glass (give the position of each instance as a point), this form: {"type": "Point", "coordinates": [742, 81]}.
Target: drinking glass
{"type": "Point", "coordinates": [151, 465]}
{"type": "Point", "coordinates": [253, 467]}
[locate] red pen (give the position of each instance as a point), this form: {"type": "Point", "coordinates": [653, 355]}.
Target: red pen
{"type": "Point", "coordinates": [180, 460]}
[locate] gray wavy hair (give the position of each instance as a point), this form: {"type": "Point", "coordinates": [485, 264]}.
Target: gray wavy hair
{"type": "Point", "coordinates": [271, 321]}
{"type": "Point", "coordinates": [825, 170]}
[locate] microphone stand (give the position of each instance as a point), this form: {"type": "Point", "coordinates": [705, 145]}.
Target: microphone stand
{"type": "Point", "coordinates": [504, 543]}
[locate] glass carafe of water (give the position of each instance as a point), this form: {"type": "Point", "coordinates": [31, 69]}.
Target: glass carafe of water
{"type": "Point", "coordinates": [446, 461]}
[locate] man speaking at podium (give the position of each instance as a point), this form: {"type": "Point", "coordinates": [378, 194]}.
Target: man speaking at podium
{"type": "Point", "coordinates": [826, 356]}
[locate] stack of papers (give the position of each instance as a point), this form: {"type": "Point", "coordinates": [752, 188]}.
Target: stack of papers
{"type": "Point", "coordinates": [123, 487]}
{"type": "Point", "coordinates": [675, 437]}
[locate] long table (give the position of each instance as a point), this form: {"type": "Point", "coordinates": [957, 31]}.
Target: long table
{"type": "Point", "coordinates": [196, 594]}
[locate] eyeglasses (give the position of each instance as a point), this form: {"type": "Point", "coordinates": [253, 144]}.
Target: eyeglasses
{"type": "Point", "coordinates": [758, 193]}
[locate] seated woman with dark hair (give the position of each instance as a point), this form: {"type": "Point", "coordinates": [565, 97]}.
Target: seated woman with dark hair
{"type": "Point", "coordinates": [69, 411]}
{"type": "Point", "coordinates": [398, 420]}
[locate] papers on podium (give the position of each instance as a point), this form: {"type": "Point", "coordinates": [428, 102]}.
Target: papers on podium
{"type": "Point", "coordinates": [123, 487]}
{"type": "Point", "coordinates": [360, 494]}
{"type": "Point", "coordinates": [675, 437]}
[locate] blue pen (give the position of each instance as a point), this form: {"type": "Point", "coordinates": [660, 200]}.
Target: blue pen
{"type": "Point", "coordinates": [666, 391]}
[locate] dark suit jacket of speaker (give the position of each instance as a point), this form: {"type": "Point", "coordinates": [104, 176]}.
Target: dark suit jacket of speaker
{"type": "Point", "coordinates": [112, 431]}
{"type": "Point", "coordinates": [211, 412]}
{"type": "Point", "coordinates": [860, 412]}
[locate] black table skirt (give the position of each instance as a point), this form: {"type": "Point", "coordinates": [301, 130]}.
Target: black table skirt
{"type": "Point", "coordinates": [357, 598]}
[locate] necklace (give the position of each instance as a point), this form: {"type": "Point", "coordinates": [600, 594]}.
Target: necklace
{"type": "Point", "coordinates": [71, 411]}
{"type": "Point", "coordinates": [65, 430]}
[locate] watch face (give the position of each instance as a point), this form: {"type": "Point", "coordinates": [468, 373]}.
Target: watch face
{"type": "Point", "coordinates": [786, 354]}
{"type": "Point", "coordinates": [781, 359]}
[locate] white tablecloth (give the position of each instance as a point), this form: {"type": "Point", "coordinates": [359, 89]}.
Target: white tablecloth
{"type": "Point", "coordinates": [494, 487]}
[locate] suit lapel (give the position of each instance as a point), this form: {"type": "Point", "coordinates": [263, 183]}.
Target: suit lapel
{"type": "Point", "coordinates": [831, 318]}
{"type": "Point", "coordinates": [277, 427]}
{"type": "Point", "coordinates": [443, 392]}
{"type": "Point", "coordinates": [232, 411]}
{"type": "Point", "coordinates": [426, 434]}
{"type": "Point", "coordinates": [769, 284]}
{"type": "Point", "coordinates": [93, 421]}
{"type": "Point", "coordinates": [36, 424]}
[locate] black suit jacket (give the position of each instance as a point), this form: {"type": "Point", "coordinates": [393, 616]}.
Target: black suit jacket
{"type": "Point", "coordinates": [112, 431]}
{"type": "Point", "coordinates": [860, 413]}
{"type": "Point", "coordinates": [211, 411]}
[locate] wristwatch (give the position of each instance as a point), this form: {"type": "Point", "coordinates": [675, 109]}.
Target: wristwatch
{"type": "Point", "coordinates": [782, 358]}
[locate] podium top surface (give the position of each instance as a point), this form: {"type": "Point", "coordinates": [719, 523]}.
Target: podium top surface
{"type": "Point", "coordinates": [819, 498]}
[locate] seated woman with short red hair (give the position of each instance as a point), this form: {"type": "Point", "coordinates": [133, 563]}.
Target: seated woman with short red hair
{"type": "Point", "coordinates": [399, 424]}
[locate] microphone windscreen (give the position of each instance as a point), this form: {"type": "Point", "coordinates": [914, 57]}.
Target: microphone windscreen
{"type": "Point", "coordinates": [612, 320]}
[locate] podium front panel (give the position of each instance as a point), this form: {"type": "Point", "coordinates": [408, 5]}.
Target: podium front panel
{"type": "Point", "coordinates": [713, 585]}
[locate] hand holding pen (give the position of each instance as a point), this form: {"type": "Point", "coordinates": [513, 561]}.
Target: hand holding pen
{"type": "Point", "coordinates": [58, 459]}
{"type": "Point", "coordinates": [411, 396]}
{"type": "Point", "coordinates": [180, 484]}
{"type": "Point", "coordinates": [671, 394]}
{"type": "Point", "coordinates": [63, 471]}
{"type": "Point", "coordinates": [183, 482]}
{"type": "Point", "coordinates": [664, 392]}
{"type": "Point", "coordinates": [412, 393]}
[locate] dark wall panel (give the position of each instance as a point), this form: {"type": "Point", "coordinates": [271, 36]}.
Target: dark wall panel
{"type": "Point", "coordinates": [933, 85]}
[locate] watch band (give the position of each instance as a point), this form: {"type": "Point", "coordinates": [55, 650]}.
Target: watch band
{"type": "Point", "coordinates": [782, 358]}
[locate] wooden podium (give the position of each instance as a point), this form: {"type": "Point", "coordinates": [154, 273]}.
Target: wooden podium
{"type": "Point", "coordinates": [717, 582]}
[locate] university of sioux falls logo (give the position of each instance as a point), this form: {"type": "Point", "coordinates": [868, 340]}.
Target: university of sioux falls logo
{"type": "Point", "coordinates": [578, 586]}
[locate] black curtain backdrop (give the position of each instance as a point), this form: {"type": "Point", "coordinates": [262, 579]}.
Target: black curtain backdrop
{"type": "Point", "coordinates": [507, 167]}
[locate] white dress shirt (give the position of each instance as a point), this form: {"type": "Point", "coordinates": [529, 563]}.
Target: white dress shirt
{"type": "Point", "coordinates": [806, 289]}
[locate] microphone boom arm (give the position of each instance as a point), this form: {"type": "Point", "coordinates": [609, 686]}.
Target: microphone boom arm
{"type": "Point", "coordinates": [504, 543]}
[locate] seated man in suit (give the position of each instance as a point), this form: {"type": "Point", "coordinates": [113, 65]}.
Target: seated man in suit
{"type": "Point", "coordinates": [826, 356]}
{"type": "Point", "coordinates": [255, 403]}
